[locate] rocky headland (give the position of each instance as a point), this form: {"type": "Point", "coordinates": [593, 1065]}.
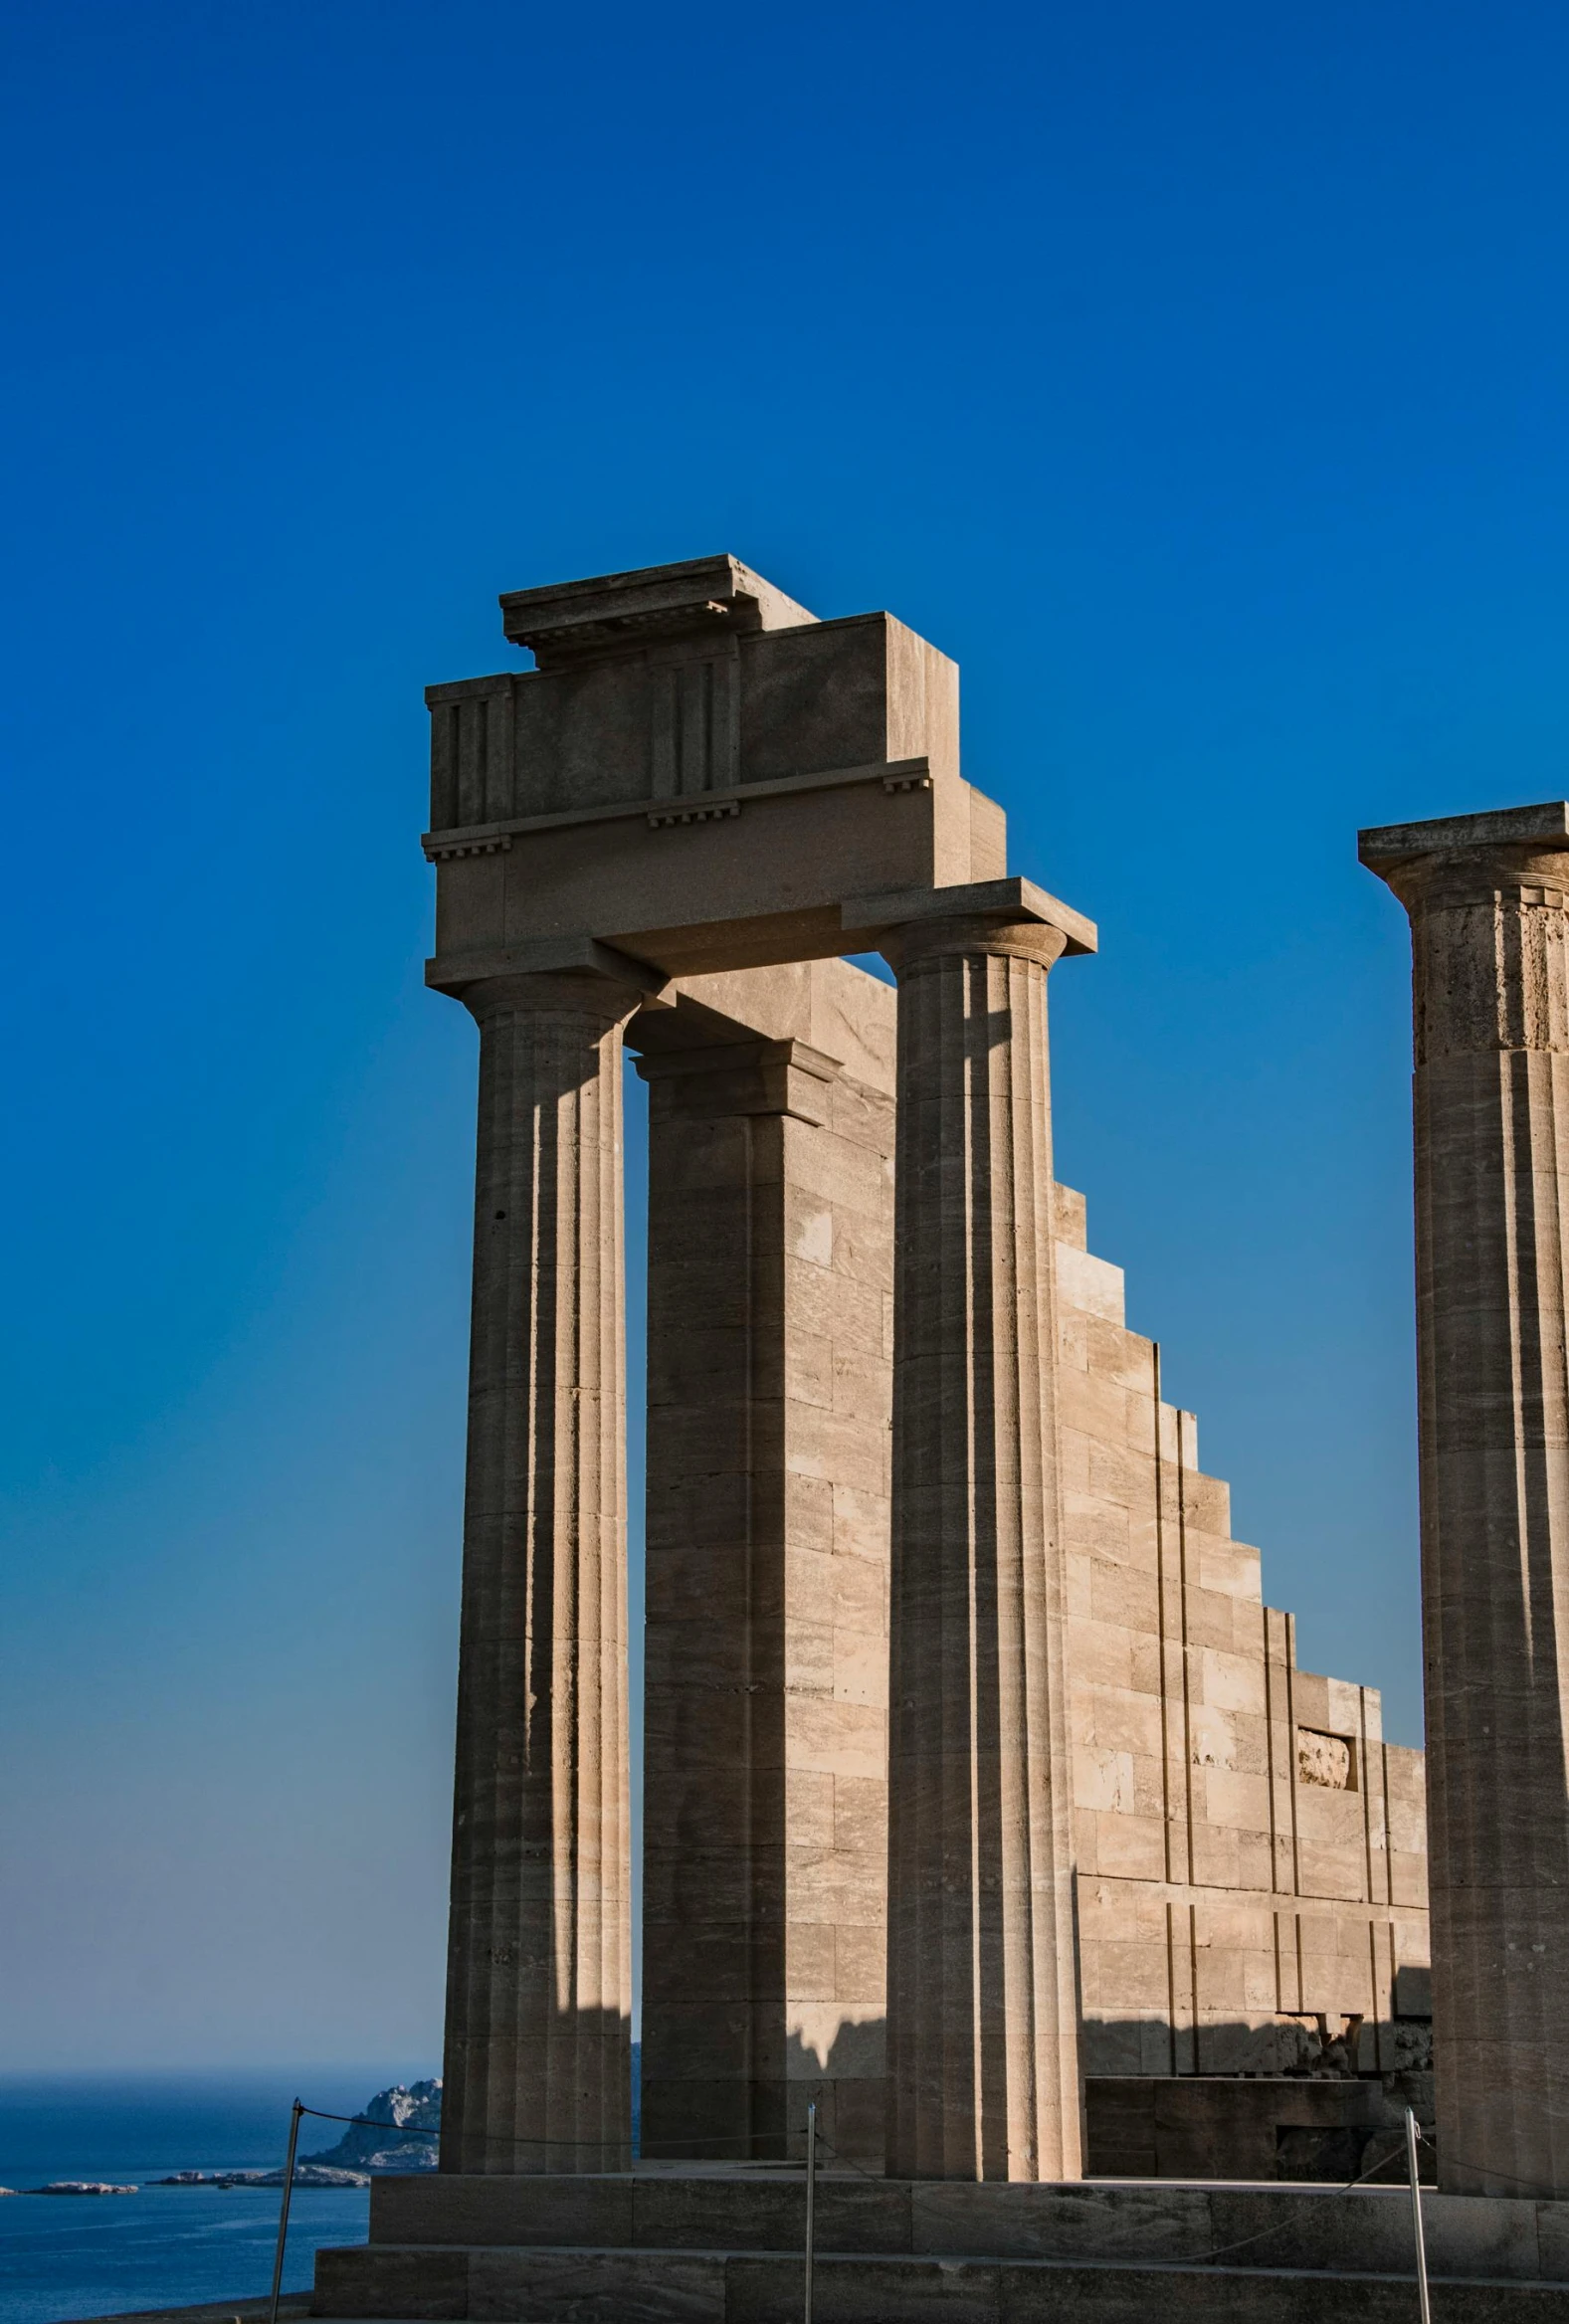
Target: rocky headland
{"type": "Point", "coordinates": [396, 2133]}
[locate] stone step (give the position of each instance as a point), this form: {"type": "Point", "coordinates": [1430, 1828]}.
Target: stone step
{"type": "Point", "coordinates": [546, 2284]}
{"type": "Point", "coordinates": [1132, 2222]}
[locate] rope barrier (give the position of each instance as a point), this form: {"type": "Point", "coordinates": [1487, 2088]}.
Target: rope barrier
{"type": "Point", "coordinates": [1491, 2170]}
{"type": "Point", "coordinates": [1202, 2258]}
{"type": "Point", "coordinates": [746, 2140]}
{"type": "Point", "coordinates": [507, 2139]}
{"type": "Point", "coordinates": [849, 2161]}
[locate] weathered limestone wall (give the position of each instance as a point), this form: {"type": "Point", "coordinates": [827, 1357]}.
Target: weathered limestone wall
{"type": "Point", "coordinates": [770, 1236]}
{"type": "Point", "coordinates": [1250, 1850]}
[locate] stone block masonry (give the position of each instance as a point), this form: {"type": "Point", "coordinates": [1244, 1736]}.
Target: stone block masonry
{"type": "Point", "coordinates": [1250, 1851]}
{"type": "Point", "coordinates": [770, 1337]}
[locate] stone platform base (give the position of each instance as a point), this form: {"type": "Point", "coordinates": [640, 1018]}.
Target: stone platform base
{"type": "Point", "coordinates": [669, 2246]}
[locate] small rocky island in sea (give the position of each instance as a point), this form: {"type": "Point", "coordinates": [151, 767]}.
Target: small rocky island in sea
{"type": "Point", "coordinates": [79, 2187]}
{"type": "Point", "coordinates": [386, 2137]}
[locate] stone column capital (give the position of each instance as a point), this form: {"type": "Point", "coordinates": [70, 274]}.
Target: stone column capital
{"type": "Point", "coordinates": [786, 1077]}
{"type": "Point", "coordinates": [584, 993]}
{"type": "Point", "coordinates": [1488, 901]}
{"type": "Point", "coordinates": [1510, 855]}
{"type": "Point", "coordinates": [1005, 919]}
{"type": "Point", "coordinates": [556, 972]}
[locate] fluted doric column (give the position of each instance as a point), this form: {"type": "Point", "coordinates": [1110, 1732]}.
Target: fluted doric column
{"type": "Point", "coordinates": [539, 1965]}
{"type": "Point", "coordinates": [982, 1995]}
{"type": "Point", "coordinates": [1488, 899]}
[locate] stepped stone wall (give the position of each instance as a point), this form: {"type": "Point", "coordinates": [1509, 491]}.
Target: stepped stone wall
{"type": "Point", "coordinates": [1250, 1852]}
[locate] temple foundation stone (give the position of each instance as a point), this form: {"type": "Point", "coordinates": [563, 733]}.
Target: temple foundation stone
{"type": "Point", "coordinates": [983, 2074]}
{"type": "Point", "coordinates": [1488, 899]}
{"type": "Point", "coordinates": [539, 1965]}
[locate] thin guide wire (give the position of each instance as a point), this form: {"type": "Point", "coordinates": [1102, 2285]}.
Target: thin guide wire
{"type": "Point", "coordinates": [1412, 2135]}
{"type": "Point", "coordinates": [811, 2192]}
{"type": "Point", "coordinates": [282, 2211]}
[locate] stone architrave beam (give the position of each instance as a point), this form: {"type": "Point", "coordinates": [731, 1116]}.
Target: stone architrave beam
{"type": "Point", "coordinates": [1488, 900]}
{"type": "Point", "coordinates": [696, 772]}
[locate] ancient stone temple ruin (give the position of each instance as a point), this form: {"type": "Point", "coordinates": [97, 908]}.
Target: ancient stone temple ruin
{"type": "Point", "coordinates": [984, 1803]}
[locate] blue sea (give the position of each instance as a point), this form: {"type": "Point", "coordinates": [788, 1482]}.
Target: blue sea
{"type": "Point", "coordinates": [166, 2246]}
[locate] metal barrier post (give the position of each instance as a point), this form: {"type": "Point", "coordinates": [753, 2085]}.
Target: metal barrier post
{"type": "Point", "coordinates": [282, 2211]}
{"type": "Point", "coordinates": [811, 2191]}
{"type": "Point", "coordinates": [1416, 2215]}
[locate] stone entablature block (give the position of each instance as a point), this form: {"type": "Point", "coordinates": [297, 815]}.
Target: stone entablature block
{"type": "Point", "coordinates": [698, 773]}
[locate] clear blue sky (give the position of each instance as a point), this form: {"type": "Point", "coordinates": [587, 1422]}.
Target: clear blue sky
{"type": "Point", "coordinates": [1196, 376]}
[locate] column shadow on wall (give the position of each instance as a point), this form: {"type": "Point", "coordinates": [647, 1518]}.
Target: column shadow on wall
{"type": "Point", "coordinates": [1294, 2101]}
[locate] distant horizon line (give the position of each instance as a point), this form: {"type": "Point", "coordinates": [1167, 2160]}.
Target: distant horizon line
{"type": "Point", "coordinates": [163, 2071]}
